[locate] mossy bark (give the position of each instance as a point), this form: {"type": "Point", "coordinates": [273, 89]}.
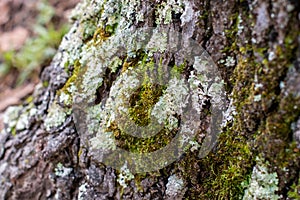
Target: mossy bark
{"type": "Point", "coordinates": [256, 46]}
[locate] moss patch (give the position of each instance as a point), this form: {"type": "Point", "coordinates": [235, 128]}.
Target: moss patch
{"type": "Point", "coordinates": [142, 101]}
{"type": "Point", "coordinates": [141, 145]}
{"type": "Point", "coordinates": [261, 126]}
{"type": "Point", "coordinates": [65, 93]}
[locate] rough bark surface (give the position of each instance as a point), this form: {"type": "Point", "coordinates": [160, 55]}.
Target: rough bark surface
{"type": "Point", "coordinates": [256, 46]}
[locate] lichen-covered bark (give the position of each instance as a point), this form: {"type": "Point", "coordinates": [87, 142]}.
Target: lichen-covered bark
{"type": "Point", "coordinates": [256, 45]}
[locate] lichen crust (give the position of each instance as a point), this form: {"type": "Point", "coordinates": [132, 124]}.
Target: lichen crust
{"type": "Point", "coordinates": [125, 92]}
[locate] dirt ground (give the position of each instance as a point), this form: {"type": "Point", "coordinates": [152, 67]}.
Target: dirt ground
{"type": "Point", "coordinates": [17, 18]}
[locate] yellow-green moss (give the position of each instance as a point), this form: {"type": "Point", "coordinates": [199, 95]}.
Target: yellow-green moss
{"type": "Point", "coordinates": [294, 192]}
{"type": "Point", "coordinates": [141, 145]}
{"type": "Point", "coordinates": [100, 35]}
{"type": "Point", "coordinates": [142, 101]}
{"type": "Point", "coordinates": [66, 90]}
{"type": "Point", "coordinates": [223, 171]}
{"type": "Point", "coordinates": [260, 126]}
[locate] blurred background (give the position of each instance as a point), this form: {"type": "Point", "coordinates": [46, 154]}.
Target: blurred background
{"type": "Point", "coordinates": [30, 33]}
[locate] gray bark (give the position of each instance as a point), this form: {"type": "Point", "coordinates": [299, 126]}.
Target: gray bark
{"type": "Point", "coordinates": [256, 46]}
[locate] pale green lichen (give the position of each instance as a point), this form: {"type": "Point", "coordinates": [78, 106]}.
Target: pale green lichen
{"type": "Point", "coordinates": [229, 114]}
{"type": "Point", "coordinates": [158, 42]}
{"type": "Point", "coordinates": [124, 176]}
{"type": "Point", "coordinates": [230, 62]}
{"type": "Point", "coordinates": [96, 57]}
{"type": "Point", "coordinates": [82, 191]}
{"type": "Point", "coordinates": [116, 62]}
{"type": "Point", "coordinates": [57, 195]}
{"type": "Point", "coordinates": [115, 107]}
{"type": "Point", "coordinates": [92, 78]}
{"type": "Point", "coordinates": [111, 13]}
{"type": "Point", "coordinates": [56, 116]}
{"type": "Point", "coordinates": [165, 9]}
{"type": "Point", "coordinates": [87, 9]}
{"type": "Point", "coordinates": [103, 141]}
{"type": "Point", "coordinates": [65, 98]}
{"type": "Point", "coordinates": [189, 13]}
{"type": "Point", "coordinates": [212, 84]}
{"type": "Point", "coordinates": [117, 103]}
{"type": "Point", "coordinates": [257, 97]}
{"type": "Point", "coordinates": [240, 27]}
{"type": "Point", "coordinates": [16, 118]}
{"type": "Point", "coordinates": [94, 116]}
{"type": "Point", "coordinates": [175, 187]}
{"type": "Point", "coordinates": [23, 121]}
{"type": "Point", "coordinates": [263, 184]}
{"type": "Point", "coordinates": [109, 45]}
{"type": "Point", "coordinates": [271, 56]}
{"type": "Point", "coordinates": [69, 49]}
{"type": "Point", "coordinates": [133, 8]}
{"type": "Point", "coordinates": [62, 171]}
{"type": "Point", "coordinates": [194, 146]}
{"type": "Point", "coordinates": [175, 98]}
{"type": "Point", "coordinates": [11, 118]}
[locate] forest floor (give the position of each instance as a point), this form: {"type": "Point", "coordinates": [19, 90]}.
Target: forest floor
{"type": "Point", "coordinates": [24, 24]}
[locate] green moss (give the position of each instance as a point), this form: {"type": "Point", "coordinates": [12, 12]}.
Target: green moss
{"type": "Point", "coordinates": [231, 33]}
{"type": "Point", "coordinates": [294, 192]}
{"type": "Point", "coordinates": [79, 152]}
{"type": "Point", "coordinates": [271, 134]}
{"type": "Point", "coordinates": [141, 145]}
{"type": "Point", "coordinates": [29, 99]}
{"type": "Point", "coordinates": [224, 170]}
{"type": "Point", "coordinates": [100, 35]}
{"type": "Point", "coordinates": [142, 101]}
{"type": "Point", "coordinates": [110, 29]}
{"type": "Point", "coordinates": [260, 126]}
{"type": "Point", "coordinates": [282, 110]}
{"type": "Point", "coordinates": [204, 15]}
{"type": "Point", "coordinates": [45, 84]}
{"type": "Point", "coordinates": [178, 70]}
{"type": "Point", "coordinates": [89, 28]}
{"type": "Point", "coordinates": [139, 60]}
{"type": "Point", "coordinates": [14, 131]}
{"type": "Point", "coordinates": [65, 93]}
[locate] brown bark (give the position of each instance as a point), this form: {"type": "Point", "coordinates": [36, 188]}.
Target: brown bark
{"type": "Point", "coordinates": [262, 39]}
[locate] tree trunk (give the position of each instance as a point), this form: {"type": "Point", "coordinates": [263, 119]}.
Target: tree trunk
{"type": "Point", "coordinates": [132, 107]}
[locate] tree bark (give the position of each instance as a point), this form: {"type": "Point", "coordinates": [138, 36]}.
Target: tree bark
{"type": "Point", "coordinates": [48, 143]}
